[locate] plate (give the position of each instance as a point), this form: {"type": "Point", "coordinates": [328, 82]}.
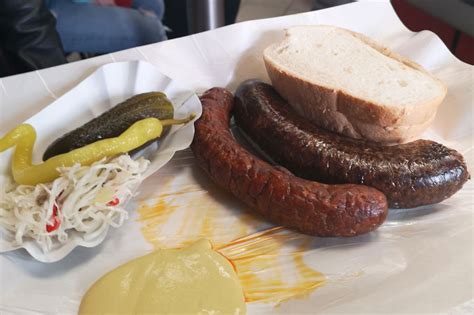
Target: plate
{"type": "Point", "coordinates": [106, 87]}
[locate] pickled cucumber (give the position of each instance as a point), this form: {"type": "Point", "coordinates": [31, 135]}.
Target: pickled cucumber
{"type": "Point", "coordinates": [113, 122]}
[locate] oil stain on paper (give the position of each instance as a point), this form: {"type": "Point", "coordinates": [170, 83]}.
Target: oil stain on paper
{"type": "Point", "coordinates": [270, 261]}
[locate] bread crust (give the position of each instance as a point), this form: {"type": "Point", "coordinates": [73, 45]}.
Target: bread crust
{"type": "Point", "coordinates": [338, 111]}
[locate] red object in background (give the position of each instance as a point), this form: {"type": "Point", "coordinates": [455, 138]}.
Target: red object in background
{"type": "Point", "coordinates": [417, 20]}
{"type": "Point", "coordinates": [465, 49]}
{"type": "Point", "coordinates": [124, 3]}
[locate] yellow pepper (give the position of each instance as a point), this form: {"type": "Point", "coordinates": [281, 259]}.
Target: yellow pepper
{"type": "Point", "coordinates": [24, 137]}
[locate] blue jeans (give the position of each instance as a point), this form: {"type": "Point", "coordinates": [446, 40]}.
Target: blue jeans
{"type": "Point", "coordinates": [89, 28]}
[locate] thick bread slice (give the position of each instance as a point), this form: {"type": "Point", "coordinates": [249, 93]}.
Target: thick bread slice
{"type": "Point", "coordinates": [345, 82]}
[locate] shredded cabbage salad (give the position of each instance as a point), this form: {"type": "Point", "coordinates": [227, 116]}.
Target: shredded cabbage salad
{"type": "Point", "coordinates": [86, 199]}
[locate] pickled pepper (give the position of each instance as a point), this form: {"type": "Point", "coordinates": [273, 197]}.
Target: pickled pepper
{"type": "Point", "coordinates": [24, 137]}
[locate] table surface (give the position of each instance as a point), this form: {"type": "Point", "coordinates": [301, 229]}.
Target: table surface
{"type": "Point", "coordinates": [225, 57]}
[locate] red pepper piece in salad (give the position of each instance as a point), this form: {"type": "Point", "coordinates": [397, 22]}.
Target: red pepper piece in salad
{"type": "Point", "coordinates": [114, 202]}
{"type": "Point", "coordinates": [56, 222]}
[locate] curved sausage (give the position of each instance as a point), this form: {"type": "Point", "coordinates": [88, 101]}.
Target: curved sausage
{"type": "Point", "coordinates": [274, 193]}
{"type": "Point", "coordinates": [412, 174]}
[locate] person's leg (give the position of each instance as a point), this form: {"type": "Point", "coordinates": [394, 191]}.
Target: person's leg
{"type": "Point", "coordinates": [103, 29]}
{"type": "Point", "coordinates": [155, 7]}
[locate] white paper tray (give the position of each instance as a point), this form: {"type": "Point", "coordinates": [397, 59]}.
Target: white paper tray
{"type": "Point", "coordinates": [102, 90]}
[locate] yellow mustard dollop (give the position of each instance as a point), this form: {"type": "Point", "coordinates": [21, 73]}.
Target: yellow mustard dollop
{"type": "Point", "coordinates": [190, 280]}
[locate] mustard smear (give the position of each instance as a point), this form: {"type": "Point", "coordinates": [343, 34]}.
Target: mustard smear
{"type": "Point", "coordinates": [182, 214]}
{"type": "Point", "coordinates": [24, 137]}
{"type": "Point", "coordinates": [266, 273]}
{"type": "Point", "coordinates": [269, 270]}
{"type": "Point", "coordinates": [191, 280]}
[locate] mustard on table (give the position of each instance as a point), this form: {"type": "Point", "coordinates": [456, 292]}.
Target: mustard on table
{"type": "Point", "coordinates": [191, 280]}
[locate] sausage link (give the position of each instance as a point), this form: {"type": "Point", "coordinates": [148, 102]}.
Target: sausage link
{"type": "Point", "coordinates": [273, 192]}
{"type": "Point", "coordinates": [410, 175]}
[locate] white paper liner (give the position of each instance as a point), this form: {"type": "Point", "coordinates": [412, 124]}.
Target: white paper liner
{"type": "Point", "coordinates": [419, 261]}
{"type": "Point", "coordinates": [102, 90]}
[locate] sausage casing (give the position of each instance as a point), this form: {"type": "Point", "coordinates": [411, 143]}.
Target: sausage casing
{"type": "Point", "coordinates": [273, 192]}
{"type": "Point", "coordinates": [412, 174]}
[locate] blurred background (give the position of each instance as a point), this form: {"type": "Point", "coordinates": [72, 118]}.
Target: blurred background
{"type": "Point", "coordinates": [36, 34]}
{"type": "Point", "coordinates": [451, 20]}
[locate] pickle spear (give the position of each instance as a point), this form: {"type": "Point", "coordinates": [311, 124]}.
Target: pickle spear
{"type": "Point", "coordinates": [113, 122]}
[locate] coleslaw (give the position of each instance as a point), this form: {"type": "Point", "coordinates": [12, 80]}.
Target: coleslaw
{"type": "Point", "coordinates": [86, 199]}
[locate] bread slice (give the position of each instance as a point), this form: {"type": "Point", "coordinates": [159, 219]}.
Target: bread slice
{"type": "Point", "coordinates": [345, 82]}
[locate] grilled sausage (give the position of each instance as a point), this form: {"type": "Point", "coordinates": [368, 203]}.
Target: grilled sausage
{"type": "Point", "coordinates": [413, 174]}
{"type": "Point", "coordinates": [273, 192]}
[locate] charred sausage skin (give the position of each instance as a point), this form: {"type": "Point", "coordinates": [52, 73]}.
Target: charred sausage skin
{"type": "Point", "coordinates": [412, 174]}
{"type": "Point", "coordinates": [273, 192]}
